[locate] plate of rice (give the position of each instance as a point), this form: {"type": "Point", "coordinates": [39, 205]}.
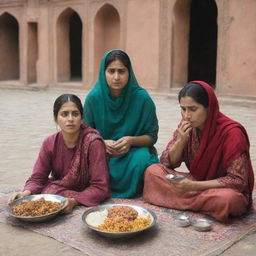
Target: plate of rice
{"type": "Point", "coordinates": [36, 208]}
{"type": "Point", "coordinates": [119, 220]}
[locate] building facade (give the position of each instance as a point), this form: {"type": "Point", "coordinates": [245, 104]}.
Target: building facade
{"type": "Point", "coordinates": [59, 43]}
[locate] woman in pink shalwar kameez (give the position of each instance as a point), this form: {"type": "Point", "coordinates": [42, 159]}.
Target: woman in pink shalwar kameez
{"type": "Point", "coordinates": [72, 162]}
{"type": "Point", "coordinates": [215, 150]}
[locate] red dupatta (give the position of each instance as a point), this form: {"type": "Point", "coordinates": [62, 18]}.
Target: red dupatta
{"type": "Point", "coordinates": [211, 161]}
{"type": "Point", "coordinates": [77, 176]}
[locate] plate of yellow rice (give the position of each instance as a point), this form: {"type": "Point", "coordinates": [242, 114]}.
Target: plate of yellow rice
{"type": "Point", "coordinates": [119, 220]}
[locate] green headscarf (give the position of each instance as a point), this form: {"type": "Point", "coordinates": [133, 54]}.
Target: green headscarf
{"type": "Point", "coordinates": [132, 113]}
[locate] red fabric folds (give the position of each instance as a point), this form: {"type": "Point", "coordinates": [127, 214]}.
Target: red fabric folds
{"type": "Point", "coordinates": [210, 162]}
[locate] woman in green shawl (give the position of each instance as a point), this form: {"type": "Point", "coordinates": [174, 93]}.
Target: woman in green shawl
{"type": "Point", "coordinates": [125, 115]}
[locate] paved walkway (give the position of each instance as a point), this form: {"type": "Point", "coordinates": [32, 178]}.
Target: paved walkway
{"type": "Point", "coordinates": [26, 119]}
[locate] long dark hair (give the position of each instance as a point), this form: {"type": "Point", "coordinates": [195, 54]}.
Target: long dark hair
{"type": "Point", "coordinates": [118, 55]}
{"type": "Point", "coordinates": [62, 99]}
{"type": "Point", "coordinates": [196, 92]}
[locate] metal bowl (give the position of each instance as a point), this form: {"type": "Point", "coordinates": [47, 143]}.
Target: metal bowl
{"type": "Point", "coordinates": [182, 220]}
{"type": "Point", "coordinates": [142, 212]}
{"type": "Point", "coordinates": [202, 225]}
{"type": "Point", "coordinates": [174, 177]}
{"type": "Point", "coordinates": [43, 218]}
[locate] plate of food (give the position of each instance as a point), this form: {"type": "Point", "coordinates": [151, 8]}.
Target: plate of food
{"type": "Point", "coordinates": [119, 220]}
{"type": "Point", "coordinates": [36, 208]}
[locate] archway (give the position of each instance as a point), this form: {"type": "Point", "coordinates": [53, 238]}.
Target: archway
{"type": "Point", "coordinates": [75, 37]}
{"type": "Point", "coordinates": [9, 50]}
{"type": "Point", "coordinates": [203, 41]}
{"type": "Point", "coordinates": [32, 52]}
{"type": "Point", "coordinates": [180, 39]}
{"type": "Point", "coordinates": [69, 46]}
{"type": "Point", "coordinates": [106, 33]}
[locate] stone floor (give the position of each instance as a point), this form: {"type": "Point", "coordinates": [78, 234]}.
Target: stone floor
{"type": "Point", "coordinates": [26, 119]}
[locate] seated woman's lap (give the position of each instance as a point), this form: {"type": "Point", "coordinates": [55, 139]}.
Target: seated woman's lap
{"type": "Point", "coordinates": [219, 203]}
{"type": "Point", "coordinates": [126, 172]}
{"type": "Point", "coordinates": [136, 158]}
{"type": "Point", "coordinates": [222, 202]}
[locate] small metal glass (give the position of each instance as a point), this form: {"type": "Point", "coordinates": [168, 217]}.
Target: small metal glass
{"type": "Point", "coordinates": [182, 220]}
{"type": "Point", "coordinates": [202, 225]}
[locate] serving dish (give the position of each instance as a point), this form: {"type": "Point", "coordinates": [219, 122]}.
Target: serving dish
{"type": "Point", "coordinates": [142, 212]}
{"type": "Point", "coordinates": [202, 225]}
{"type": "Point", "coordinates": [174, 177]}
{"type": "Point", "coordinates": [42, 218]}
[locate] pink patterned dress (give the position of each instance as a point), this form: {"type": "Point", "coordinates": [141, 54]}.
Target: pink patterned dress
{"type": "Point", "coordinates": [80, 172]}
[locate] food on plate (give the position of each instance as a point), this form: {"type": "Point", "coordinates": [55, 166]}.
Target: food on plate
{"type": "Point", "coordinates": [119, 224]}
{"type": "Point", "coordinates": [123, 219]}
{"type": "Point", "coordinates": [125, 212]}
{"type": "Point", "coordinates": [35, 208]}
{"type": "Point", "coordinates": [96, 218]}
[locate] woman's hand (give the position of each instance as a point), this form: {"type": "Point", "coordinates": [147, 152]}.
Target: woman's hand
{"type": "Point", "coordinates": [175, 152]}
{"type": "Point", "coordinates": [69, 205]}
{"type": "Point", "coordinates": [123, 145]}
{"type": "Point", "coordinates": [19, 195]}
{"type": "Point", "coordinates": [183, 186]}
{"type": "Point", "coordinates": [119, 147]}
{"type": "Point", "coordinates": [187, 185]}
{"type": "Point", "coordinates": [183, 131]}
{"type": "Point", "coordinates": [110, 148]}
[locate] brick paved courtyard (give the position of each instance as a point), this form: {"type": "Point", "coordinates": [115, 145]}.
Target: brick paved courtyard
{"type": "Point", "coordinates": [26, 119]}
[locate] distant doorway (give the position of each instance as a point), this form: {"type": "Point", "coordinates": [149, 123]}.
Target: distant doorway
{"type": "Point", "coordinates": [32, 52]}
{"type": "Point", "coordinates": [69, 46]}
{"type": "Point", "coordinates": [203, 41]}
{"type": "Point", "coordinates": [75, 37]}
{"type": "Point", "coordinates": [9, 48]}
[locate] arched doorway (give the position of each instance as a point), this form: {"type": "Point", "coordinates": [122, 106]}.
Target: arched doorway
{"type": "Point", "coordinates": [180, 39]}
{"type": "Point", "coordinates": [32, 52]}
{"type": "Point", "coordinates": [9, 48]}
{"type": "Point", "coordinates": [75, 38]}
{"type": "Point", "coordinates": [69, 46]}
{"type": "Point", "coordinates": [106, 33]}
{"type": "Point", "coordinates": [203, 41]}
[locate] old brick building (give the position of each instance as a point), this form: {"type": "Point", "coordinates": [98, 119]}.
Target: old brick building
{"type": "Point", "coordinates": [59, 43]}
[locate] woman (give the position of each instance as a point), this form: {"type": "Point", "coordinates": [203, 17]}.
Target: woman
{"type": "Point", "coordinates": [74, 158]}
{"type": "Point", "coordinates": [125, 116]}
{"type": "Point", "coordinates": [215, 150]}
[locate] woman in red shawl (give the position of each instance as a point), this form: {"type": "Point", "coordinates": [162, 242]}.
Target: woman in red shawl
{"type": "Point", "coordinates": [72, 162]}
{"type": "Point", "coordinates": [215, 150]}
